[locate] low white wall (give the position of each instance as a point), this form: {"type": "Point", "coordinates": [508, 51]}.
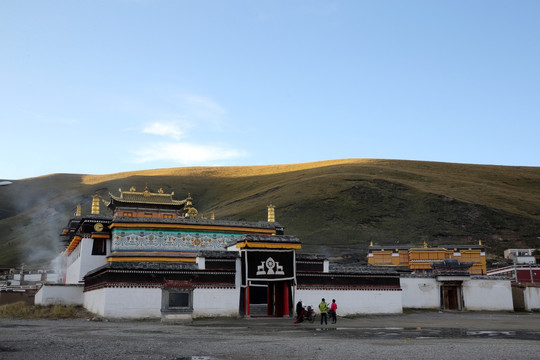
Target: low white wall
{"type": "Point", "coordinates": [128, 303]}
{"type": "Point", "coordinates": [420, 293]}
{"type": "Point", "coordinates": [50, 294]}
{"type": "Point", "coordinates": [531, 298]}
{"type": "Point", "coordinates": [215, 302]}
{"type": "Point", "coordinates": [487, 295]}
{"type": "Point", "coordinates": [94, 301]}
{"type": "Point", "coordinates": [351, 302]}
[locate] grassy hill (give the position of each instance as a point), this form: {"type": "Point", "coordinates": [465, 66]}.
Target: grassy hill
{"type": "Point", "coordinates": [335, 207]}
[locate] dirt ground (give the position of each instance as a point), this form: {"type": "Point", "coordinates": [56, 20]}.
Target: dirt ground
{"type": "Point", "coordinates": [419, 335]}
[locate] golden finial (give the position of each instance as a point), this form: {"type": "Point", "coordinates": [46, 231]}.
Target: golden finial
{"type": "Point", "coordinates": [479, 242]}
{"type": "Point", "coordinates": [132, 189]}
{"type": "Point", "coordinates": [271, 213]}
{"type": "Point", "coordinates": [79, 210]}
{"type": "Point", "coordinates": [212, 216]}
{"type": "Point", "coordinates": [160, 191]}
{"type": "Point", "coordinates": [371, 243]}
{"type": "Point", "coordinates": [95, 204]}
{"type": "Point", "coordinates": [120, 190]}
{"type": "Point", "coordinates": [146, 191]}
{"type": "Point", "coordinates": [425, 244]}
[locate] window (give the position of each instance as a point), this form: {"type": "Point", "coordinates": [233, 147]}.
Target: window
{"type": "Point", "coordinates": [99, 247]}
{"type": "Point", "coordinates": [177, 301]}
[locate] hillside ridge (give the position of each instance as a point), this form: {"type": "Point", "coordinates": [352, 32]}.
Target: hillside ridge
{"type": "Point", "coordinates": [334, 206]}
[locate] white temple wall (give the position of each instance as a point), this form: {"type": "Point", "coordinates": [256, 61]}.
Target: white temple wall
{"type": "Point", "coordinates": [128, 303]}
{"type": "Point", "coordinates": [73, 270]}
{"type": "Point", "coordinates": [84, 263]}
{"type": "Point", "coordinates": [531, 298]}
{"type": "Point", "coordinates": [352, 302]}
{"type": "Point", "coordinates": [215, 302]}
{"type": "Point", "coordinates": [420, 293]}
{"type": "Point", "coordinates": [52, 294]}
{"type": "Point", "coordinates": [487, 295]}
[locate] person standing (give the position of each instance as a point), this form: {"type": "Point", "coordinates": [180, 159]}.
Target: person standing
{"type": "Point", "coordinates": [323, 308]}
{"type": "Point", "coordinates": [333, 311]}
{"type": "Point", "coordinates": [299, 311]}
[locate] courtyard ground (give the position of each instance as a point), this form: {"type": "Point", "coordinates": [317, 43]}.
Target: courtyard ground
{"type": "Point", "coordinates": [418, 335]}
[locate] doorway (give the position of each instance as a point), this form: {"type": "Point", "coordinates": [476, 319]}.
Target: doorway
{"type": "Point", "coordinates": [268, 298]}
{"type": "Point", "coordinates": [451, 296]}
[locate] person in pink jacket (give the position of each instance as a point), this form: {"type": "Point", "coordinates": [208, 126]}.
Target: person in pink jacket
{"type": "Point", "coordinates": [333, 311]}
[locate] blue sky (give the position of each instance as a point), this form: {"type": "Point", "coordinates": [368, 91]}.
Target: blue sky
{"type": "Point", "coordinates": [97, 87]}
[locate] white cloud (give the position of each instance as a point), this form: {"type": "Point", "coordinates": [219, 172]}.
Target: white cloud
{"type": "Point", "coordinates": [185, 116]}
{"type": "Point", "coordinates": [171, 129]}
{"type": "Point", "coordinates": [185, 154]}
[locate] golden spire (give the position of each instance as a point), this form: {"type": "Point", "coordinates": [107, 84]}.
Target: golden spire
{"type": "Point", "coordinates": [212, 216]}
{"type": "Point", "coordinates": [271, 213]}
{"type": "Point", "coordinates": [371, 243]}
{"type": "Point", "coordinates": [479, 242]}
{"type": "Point", "coordinates": [425, 244]}
{"type": "Point", "coordinates": [79, 210]}
{"type": "Point", "coordinates": [95, 204]}
{"type": "Point", "coordinates": [189, 210]}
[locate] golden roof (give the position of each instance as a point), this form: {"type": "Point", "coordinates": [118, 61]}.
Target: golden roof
{"type": "Point", "coordinates": [146, 197]}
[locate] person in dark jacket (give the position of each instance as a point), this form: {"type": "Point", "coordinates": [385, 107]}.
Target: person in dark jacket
{"type": "Point", "coordinates": [299, 312]}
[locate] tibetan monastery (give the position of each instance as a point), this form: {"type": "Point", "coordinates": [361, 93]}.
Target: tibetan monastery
{"type": "Point", "coordinates": [156, 257]}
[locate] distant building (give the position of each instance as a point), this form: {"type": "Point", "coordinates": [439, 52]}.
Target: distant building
{"type": "Point", "coordinates": [519, 273]}
{"type": "Point", "coordinates": [420, 259]}
{"type": "Point", "coordinates": [522, 256]}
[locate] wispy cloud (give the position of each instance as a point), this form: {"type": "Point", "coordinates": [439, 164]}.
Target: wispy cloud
{"type": "Point", "coordinates": [198, 110]}
{"type": "Point", "coordinates": [170, 129]}
{"type": "Point", "coordinates": [187, 123]}
{"type": "Point", "coordinates": [185, 154]}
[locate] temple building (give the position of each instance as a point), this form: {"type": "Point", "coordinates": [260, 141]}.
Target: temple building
{"type": "Point", "coordinates": [149, 255]}
{"type": "Point", "coordinates": [421, 259]}
{"type": "Point", "coordinates": [152, 256]}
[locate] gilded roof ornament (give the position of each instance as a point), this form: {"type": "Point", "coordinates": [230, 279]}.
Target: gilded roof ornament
{"type": "Point", "coordinates": [160, 191]}
{"type": "Point", "coordinates": [132, 189]}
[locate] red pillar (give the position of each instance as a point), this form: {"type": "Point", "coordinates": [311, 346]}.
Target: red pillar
{"type": "Point", "coordinates": [285, 298]}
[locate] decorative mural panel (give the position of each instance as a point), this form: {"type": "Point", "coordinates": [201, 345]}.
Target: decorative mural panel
{"type": "Point", "coordinates": [165, 240]}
